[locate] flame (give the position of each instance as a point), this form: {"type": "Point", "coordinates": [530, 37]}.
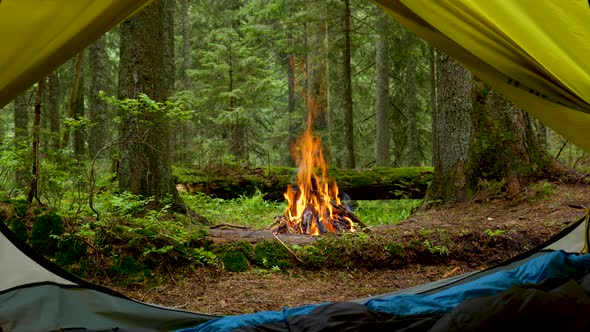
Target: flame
{"type": "Point", "coordinates": [312, 201]}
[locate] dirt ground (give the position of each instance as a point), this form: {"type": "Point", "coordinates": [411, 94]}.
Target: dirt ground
{"type": "Point", "coordinates": [528, 220]}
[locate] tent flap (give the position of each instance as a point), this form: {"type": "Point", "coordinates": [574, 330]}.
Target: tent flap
{"type": "Point", "coordinates": [34, 42]}
{"type": "Point", "coordinates": [532, 52]}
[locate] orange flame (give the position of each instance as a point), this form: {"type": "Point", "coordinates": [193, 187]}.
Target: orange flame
{"type": "Point", "coordinates": [311, 202]}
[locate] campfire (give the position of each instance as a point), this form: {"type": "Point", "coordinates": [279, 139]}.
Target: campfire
{"type": "Point", "coordinates": [315, 207]}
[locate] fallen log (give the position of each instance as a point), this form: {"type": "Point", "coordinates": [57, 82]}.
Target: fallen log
{"type": "Point", "coordinates": [370, 184]}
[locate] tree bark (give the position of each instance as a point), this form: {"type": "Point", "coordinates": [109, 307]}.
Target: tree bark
{"type": "Point", "coordinates": [78, 139]}
{"type": "Point", "coordinates": [99, 113]}
{"type": "Point", "coordinates": [144, 161]}
{"type": "Point", "coordinates": [291, 133]}
{"type": "Point", "coordinates": [410, 100]}
{"type": "Point", "coordinates": [238, 144]}
{"type": "Point", "coordinates": [53, 110]}
{"type": "Point", "coordinates": [382, 107]}
{"type": "Point", "coordinates": [318, 72]}
{"type": "Point", "coordinates": [77, 77]}
{"type": "Point", "coordinates": [347, 91]}
{"type": "Point", "coordinates": [33, 187]}
{"type": "Point", "coordinates": [21, 133]}
{"type": "Point", "coordinates": [186, 46]}
{"type": "Point", "coordinates": [453, 133]}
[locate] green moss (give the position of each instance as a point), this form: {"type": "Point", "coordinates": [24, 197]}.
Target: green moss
{"type": "Point", "coordinates": [45, 227]}
{"type": "Point", "coordinates": [18, 227]}
{"type": "Point", "coordinates": [234, 261]}
{"type": "Point", "coordinates": [268, 254]}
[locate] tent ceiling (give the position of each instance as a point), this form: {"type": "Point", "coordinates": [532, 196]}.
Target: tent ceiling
{"type": "Point", "coordinates": [40, 35]}
{"type": "Point", "coordinates": [534, 52]}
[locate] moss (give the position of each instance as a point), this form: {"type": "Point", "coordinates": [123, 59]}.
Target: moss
{"type": "Point", "coordinates": [18, 227]}
{"type": "Point", "coordinates": [234, 261]}
{"type": "Point", "coordinates": [268, 254]}
{"type": "Point", "coordinates": [45, 227]}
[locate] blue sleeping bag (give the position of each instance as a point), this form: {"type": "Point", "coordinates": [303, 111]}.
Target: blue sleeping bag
{"type": "Point", "coordinates": [557, 264]}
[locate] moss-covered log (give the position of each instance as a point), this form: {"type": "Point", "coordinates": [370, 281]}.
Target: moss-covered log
{"type": "Point", "coordinates": [377, 183]}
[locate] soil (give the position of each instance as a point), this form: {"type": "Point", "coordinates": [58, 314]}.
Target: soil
{"type": "Point", "coordinates": [504, 228]}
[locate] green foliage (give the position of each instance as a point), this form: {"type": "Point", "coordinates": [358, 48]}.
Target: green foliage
{"type": "Point", "coordinates": [20, 207]}
{"type": "Point", "coordinates": [71, 249]}
{"type": "Point", "coordinates": [268, 254]}
{"type": "Point", "coordinates": [395, 249]}
{"type": "Point", "coordinates": [385, 212]}
{"type": "Point", "coordinates": [45, 233]}
{"type": "Point", "coordinates": [440, 250]}
{"type": "Point", "coordinates": [253, 210]}
{"type": "Point", "coordinates": [493, 233]}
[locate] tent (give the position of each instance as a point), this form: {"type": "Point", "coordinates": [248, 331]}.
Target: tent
{"type": "Point", "coordinates": [533, 52]}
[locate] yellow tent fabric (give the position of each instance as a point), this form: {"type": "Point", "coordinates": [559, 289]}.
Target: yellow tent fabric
{"type": "Point", "coordinates": [534, 52]}
{"type": "Point", "coordinates": [39, 35]}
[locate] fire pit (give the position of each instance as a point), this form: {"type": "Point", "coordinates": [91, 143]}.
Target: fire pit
{"type": "Point", "coordinates": [315, 207]}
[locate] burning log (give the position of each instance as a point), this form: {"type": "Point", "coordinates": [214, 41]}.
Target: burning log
{"type": "Point", "coordinates": [342, 220]}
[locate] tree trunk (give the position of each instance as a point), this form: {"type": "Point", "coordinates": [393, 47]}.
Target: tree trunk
{"type": "Point", "coordinates": [78, 139]}
{"type": "Point", "coordinates": [506, 147]}
{"type": "Point", "coordinates": [382, 107]}
{"type": "Point", "coordinates": [186, 132]}
{"type": "Point", "coordinates": [21, 133]}
{"type": "Point", "coordinates": [347, 91]}
{"type": "Point", "coordinates": [33, 187]}
{"type": "Point", "coordinates": [53, 110]}
{"type": "Point", "coordinates": [479, 135]}
{"type": "Point", "coordinates": [77, 77]}
{"type": "Point", "coordinates": [99, 113]}
{"type": "Point", "coordinates": [144, 161]}
{"type": "Point", "coordinates": [186, 46]}
{"type": "Point", "coordinates": [238, 143]}
{"type": "Point", "coordinates": [410, 100]}
{"type": "Point", "coordinates": [453, 132]}
{"type": "Point", "coordinates": [291, 134]}
{"type": "Point", "coordinates": [318, 71]}
{"type": "Point", "coordinates": [169, 70]}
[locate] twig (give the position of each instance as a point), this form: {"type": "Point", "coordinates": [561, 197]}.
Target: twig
{"type": "Point", "coordinates": [289, 249]}
{"type": "Point", "coordinates": [230, 226]}
{"type": "Point", "coordinates": [562, 147]}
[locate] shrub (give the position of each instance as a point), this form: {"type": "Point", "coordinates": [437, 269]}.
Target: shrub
{"type": "Point", "coordinates": [45, 233]}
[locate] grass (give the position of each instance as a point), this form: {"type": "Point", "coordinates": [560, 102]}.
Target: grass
{"type": "Point", "coordinates": [257, 212]}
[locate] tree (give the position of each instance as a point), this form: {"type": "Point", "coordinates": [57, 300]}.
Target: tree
{"type": "Point", "coordinates": [21, 133]}
{"type": "Point", "coordinates": [453, 132]}
{"type": "Point", "coordinates": [144, 167]}
{"type": "Point", "coordinates": [481, 136]}
{"type": "Point", "coordinates": [97, 108]}
{"type": "Point", "coordinates": [53, 109]}
{"type": "Point", "coordinates": [318, 68]}
{"type": "Point", "coordinates": [347, 91]}
{"type": "Point", "coordinates": [382, 107]}
{"type": "Point", "coordinates": [409, 43]}
{"type": "Point", "coordinates": [78, 111]}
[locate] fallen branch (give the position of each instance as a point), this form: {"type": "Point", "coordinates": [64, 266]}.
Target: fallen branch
{"type": "Point", "coordinates": [230, 226]}
{"type": "Point", "coordinates": [289, 249]}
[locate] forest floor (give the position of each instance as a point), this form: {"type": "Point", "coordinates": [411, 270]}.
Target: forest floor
{"type": "Point", "coordinates": [530, 219]}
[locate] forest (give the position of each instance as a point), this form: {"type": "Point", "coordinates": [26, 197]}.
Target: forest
{"type": "Point", "coordinates": [166, 149]}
